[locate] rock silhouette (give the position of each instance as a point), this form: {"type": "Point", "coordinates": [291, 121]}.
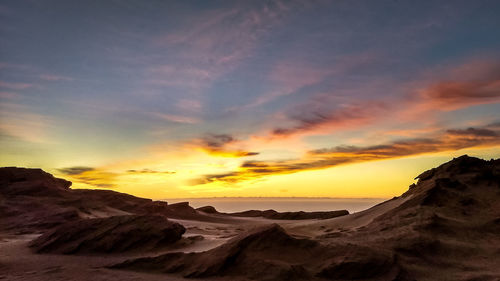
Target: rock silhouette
{"type": "Point", "coordinates": [275, 215]}
{"type": "Point", "coordinates": [33, 201]}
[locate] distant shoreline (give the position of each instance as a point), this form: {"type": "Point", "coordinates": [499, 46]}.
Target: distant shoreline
{"type": "Point", "coordinates": [265, 197]}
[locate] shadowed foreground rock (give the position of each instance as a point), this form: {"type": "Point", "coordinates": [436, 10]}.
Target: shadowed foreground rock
{"type": "Point", "coordinates": [33, 201]}
{"type": "Point", "coordinates": [110, 235]}
{"type": "Point", "coordinates": [269, 253]}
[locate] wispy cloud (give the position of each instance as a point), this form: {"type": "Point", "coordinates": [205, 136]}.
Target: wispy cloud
{"type": "Point", "coordinates": [450, 95]}
{"type": "Point", "coordinates": [75, 170]}
{"type": "Point", "coordinates": [212, 43]}
{"type": "Point", "coordinates": [92, 176]}
{"type": "Point", "coordinates": [177, 118]}
{"type": "Point", "coordinates": [222, 145]}
{"type": "Point", "coordinates": [345, 117]}
{"type": "Point", "coordinates": [149, 171]}
{"type": "Point", "coordinates": [52, 77]}
{"type": "Point", "coordinates": [460, 89]}
{"type": "Point", "coordinates": [19, 121]}
{"type": "Point", "coordinates": [468, 84]}
{"type": "Point", "coordinates": [450, 140]}
{"type": "Point", "coordinates": [16, 85]}
{"type": "Point", "coordinates": [8, 95]}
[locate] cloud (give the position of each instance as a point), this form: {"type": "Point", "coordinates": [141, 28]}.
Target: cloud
{"type": "Point", "coordinates": [19, 121]}
{"type": "Point", "coordinates": [470, 84]}
{"type": "Point", "coordinates": [290, 76]}
{"type": "Point", "coordinates": [474, 132]}
{"type": "Point", "coordinates": [217, 141]}
{"type": "Point", "coordinates": [99, 177]}
{"type": "Point", "coordinates": [450, 95]}
{"type": "Point", "coordinates": [75, 170]}
{"type": "Point", "coordinates": [222, 145]}
{"type": "Point", "coordinates": [449, 140]}
{"type": "Point", "coordinates": [15, 86]}
{"type": "Point", "coordinates": [149, 171]}
{"type": "Point", "coordinates": [51, 77]}
{"type": "Point", "coordinates": [211, 43]}
{"type": "Point", "coordinates": [177, 118]}
{"type": "Point", "coordinates": [346, 116]}
{"type": "Point", "coordinates": [90, 175]}
{"type": "Point", "coordinates": [8, 95]}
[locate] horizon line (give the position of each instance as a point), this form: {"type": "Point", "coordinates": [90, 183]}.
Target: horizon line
{"type": "Point", "coordinates": [275, 197]}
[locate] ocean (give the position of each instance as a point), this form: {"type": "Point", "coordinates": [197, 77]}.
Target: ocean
{"type": "Point", "coordinates": [237, 204]}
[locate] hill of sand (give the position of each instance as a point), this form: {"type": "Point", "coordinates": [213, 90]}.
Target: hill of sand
{"type": "Point", "coordinates": [445, 227]}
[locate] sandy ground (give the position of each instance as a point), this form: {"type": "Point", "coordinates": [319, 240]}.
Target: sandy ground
{"type": "Point", "coordinates": [18, 262]}
{"type": "Point", "coordinates": [314, 228]}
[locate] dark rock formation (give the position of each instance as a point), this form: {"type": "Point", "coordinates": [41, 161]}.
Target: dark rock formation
{"type": "Point", "coordinates": [269, 253]}
{"type": "Point", "coordinates": [21, 181]}
{"type": "Point", "coordinates": [208, 210]}
{"type": "Point", "coordinates": [110, 235]}
{"type": "Point", "coordinates": [32, 200]}
{"type": "Point", "coordinates": [272, 214]}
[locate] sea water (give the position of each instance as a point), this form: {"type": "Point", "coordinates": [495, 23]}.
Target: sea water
{"type": "Point", "coordinates": [238, 204]}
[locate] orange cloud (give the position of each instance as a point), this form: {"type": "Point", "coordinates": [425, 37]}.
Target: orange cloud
{"type": "Point", "coordinates": [91, 176]}
{"type": "Point", "coordinates": [451, 95]}
{"type": "Point", "coordinates": [479, 85]}
{"type": "Point", "coordinates": [449, 140]}
{"type": "Point", "coordinates": [149, 171]}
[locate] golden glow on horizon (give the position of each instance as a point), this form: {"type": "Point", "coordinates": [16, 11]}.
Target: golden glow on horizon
{"type": "Point", "coordinates": [373, 179]}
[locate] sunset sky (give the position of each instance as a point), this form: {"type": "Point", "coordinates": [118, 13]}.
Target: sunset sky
{"type": "Point", "coordinates": [179, 99]}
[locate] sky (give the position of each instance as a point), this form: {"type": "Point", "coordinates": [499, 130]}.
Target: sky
{"type": "Point", "coordinates": [184, 99]}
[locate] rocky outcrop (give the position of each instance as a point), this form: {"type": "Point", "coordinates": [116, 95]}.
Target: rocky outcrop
{"type": "Point", "coordinates": [32, 200]}
{"type": "Point", "coordinates": [272, 214]}
{"type": "Point", "coordinates": [269, 253]}
{"type": "Point", "coordinates": [110, 235]}
{"type": "Point", "coordinates": [22, 181]}
{"type": "Point", "coordinates": [208, 210]}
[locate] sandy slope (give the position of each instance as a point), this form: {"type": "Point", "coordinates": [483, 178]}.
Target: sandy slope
{"type": "Point", "coordinates": [18, 262]}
